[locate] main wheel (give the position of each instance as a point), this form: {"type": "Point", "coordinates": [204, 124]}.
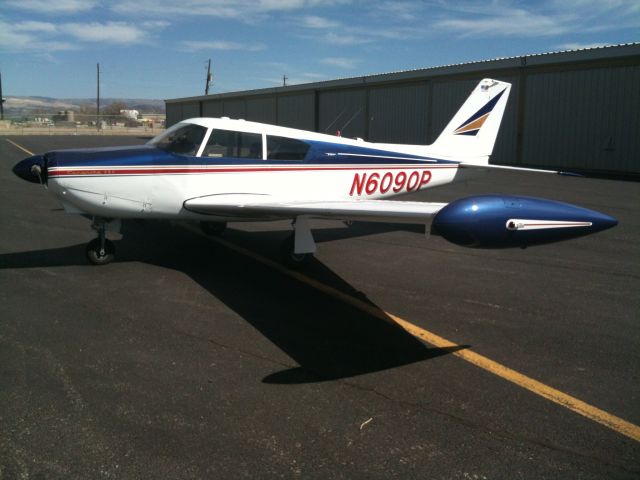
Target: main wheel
{"type": "Point", "coordinates": [99, 256]}
{"type": "Point", "coordinates": [292, 259]}
{"type": "Point", "coordinates": [213, 228]}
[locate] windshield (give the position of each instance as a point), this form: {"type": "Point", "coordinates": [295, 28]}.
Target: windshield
{"type": "Point", "coordinates": [182, 138]}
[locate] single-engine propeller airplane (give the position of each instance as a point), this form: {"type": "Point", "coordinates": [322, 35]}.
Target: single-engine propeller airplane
{"type": "Point", "coordinates": [216, 170]}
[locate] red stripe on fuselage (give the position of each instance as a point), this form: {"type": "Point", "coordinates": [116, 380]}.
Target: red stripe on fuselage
{"type": "Point", "coordinates": [200, 170]}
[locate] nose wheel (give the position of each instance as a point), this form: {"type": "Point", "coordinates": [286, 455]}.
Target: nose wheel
{"type": "Point", "coordinates": [101, 250]}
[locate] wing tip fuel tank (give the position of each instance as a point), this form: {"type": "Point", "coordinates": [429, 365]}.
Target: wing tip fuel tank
{"type": "Point", "coordinates": [503, 221]}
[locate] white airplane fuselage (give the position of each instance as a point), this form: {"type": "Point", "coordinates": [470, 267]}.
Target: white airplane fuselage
{"type": "Point", "coordinates": [150, 183]}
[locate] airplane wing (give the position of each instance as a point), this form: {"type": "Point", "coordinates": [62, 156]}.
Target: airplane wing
{"type": "Point", "coordinates": [515, 169]}
{"type": "Point", "coordinates": [265, 207]}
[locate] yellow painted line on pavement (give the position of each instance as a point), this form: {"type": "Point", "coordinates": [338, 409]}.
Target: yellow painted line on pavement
{"type": "Point", "coordinates": [594, 413]}
{"type": "Point", "coordinates": [20, 147]}
{"type": "Point", "coordinates": [576, 405]}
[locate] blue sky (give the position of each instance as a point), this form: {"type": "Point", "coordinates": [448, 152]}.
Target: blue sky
{"type": "Point", "coordinates": [159, 48]}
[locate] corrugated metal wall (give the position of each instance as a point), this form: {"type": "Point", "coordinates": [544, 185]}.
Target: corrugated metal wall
{"type": "Point", "coordinates": [584, 117]}
{"type": "Point", "coordinates": [235, 108]}
{"type": "Point", "coordinates": [398, 113]}
{"type": "Point", "coordinates": [213, 109]}
{"type": "Point", "coordinates": [262, 110]}
{"type": "Point", "coordinates": [190, 109]}
{"type": "Point", "coordinates": [297, 111]}
{"type": "Point", "coordinates": [179, 111]}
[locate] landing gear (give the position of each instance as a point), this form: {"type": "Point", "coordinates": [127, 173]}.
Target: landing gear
{"type": "Point", "coordinates": [101, 251]}
{"type": "Point", "coordinates": [99, 254]}
{"type": "Point", "coordinates": [297, 250]}
{"type": "Point", "coordinates": [292, 259]}
{"type": "Point", "coordinates": [213, 228]}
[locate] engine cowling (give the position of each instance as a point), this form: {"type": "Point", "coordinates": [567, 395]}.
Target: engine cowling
{"type": "Point", "coordinates": [504, 221]}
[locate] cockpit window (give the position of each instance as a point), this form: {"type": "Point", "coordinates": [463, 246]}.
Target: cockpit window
{"type": "Point", "coordinates": [183, 139]}
{"type": "Point", "coordinates": [228, 143]}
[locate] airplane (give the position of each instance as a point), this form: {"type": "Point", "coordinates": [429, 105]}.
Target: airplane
{"type": "Point", "coordinates": [219, 170]}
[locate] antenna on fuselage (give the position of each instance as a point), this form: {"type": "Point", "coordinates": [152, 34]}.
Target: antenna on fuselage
{"type": "Point", "coordinates": [335, 120]}
{"type": "Point", "coordinates": [351, 119]}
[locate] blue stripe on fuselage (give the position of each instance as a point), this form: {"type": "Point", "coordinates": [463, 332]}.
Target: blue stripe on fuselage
{"type": "Point", "coordinates": [320, 153]}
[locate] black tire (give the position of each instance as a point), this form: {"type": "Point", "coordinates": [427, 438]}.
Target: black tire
{"type": "Point", "coordinates": [213, 228]}
{"type": "Point", "coordinates": [291, 259]}
{"type": "Point", "coordinates": [98, 257]}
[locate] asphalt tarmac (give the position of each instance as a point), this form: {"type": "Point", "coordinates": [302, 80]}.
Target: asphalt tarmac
{"type": "Point", "coordinates": [191, 358]}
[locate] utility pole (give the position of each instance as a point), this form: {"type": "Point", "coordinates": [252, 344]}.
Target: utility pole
{"type": "Point", "coordinates": [284, 80]}
{"type": "Point", "coordinates": [209, 78]}
{"type": "Point", "coordinates": [98, 97]}
{"type": "Point", "coordinates": [1, 100]}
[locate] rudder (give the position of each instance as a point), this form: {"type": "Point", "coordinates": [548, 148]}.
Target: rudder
{"type": "Point", "coordinates": [472, 132]}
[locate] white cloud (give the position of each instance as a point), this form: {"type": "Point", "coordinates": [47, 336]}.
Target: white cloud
{"type": "Point", "coordinates": [313, 21]}
{"type": "Point", "coordinates": [35, 27]}
{"type": "Point", "coordinates": [405, 11]}
{"type": "Point", "coordinates": [509, 22]}
{"type": "Point", "coordinates": [509, 18]}
{"type": "Point", "coordinates": [48, 37]}
{"type": "Point", "coordinates": [53, 6]}
{"type": "Point", "coordinates": [346, 39]}
{"type": "Point", "coordinates": [155, 24]}
{"type": "Point", "coordinates": [110, 32]}
{"type": "Point", "coordinates": [345, 63]}
{"type": "Point", "coordinates": [238, 9]}
{"type": "Point", "coordinates": [315, 76]}
{"type": "Point", "coordinates": [193, 45]}
{"type": "Point", "coordinates": [14, 39]}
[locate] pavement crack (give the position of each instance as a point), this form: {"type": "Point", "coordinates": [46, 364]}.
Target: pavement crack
{"type": "Point", "coordinates": [496, 432]}
{"type": "Point", "coordinates": [242, 351]}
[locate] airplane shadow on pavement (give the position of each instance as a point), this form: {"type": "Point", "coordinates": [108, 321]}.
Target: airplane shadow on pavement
{"type": "Point", "coordinates": [327, 338]}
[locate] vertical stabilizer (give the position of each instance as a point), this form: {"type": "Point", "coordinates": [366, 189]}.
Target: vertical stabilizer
{"type": "Point", "coordinates": [471, 134]}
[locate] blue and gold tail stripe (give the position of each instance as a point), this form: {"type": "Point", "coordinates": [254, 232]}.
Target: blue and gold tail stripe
{"type": "Point", "coordinates": [474, 122]}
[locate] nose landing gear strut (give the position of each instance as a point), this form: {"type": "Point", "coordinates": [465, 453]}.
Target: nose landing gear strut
{"type": "Point", "coordinates": [101, 250]}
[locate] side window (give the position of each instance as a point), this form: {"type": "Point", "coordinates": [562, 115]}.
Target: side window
{"type": "Point", "coordinates": [250, 145]}
{"type": "Point", "coordinates": [227, 143]}
{"type": "Point", "coordinates": [283, 148]}
{"type": "Point", "coordinates": [221, 144]}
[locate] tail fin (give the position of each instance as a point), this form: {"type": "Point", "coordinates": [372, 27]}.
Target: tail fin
{"type": "Point", "coordinates": [472, 132]}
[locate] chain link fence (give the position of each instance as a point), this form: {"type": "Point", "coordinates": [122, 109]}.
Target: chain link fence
{"type": "Point", "coordinates": [72, 123]}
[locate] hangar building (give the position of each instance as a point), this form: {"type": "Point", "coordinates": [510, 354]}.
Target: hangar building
{"type": "Point", "coordinates": [574, 109]}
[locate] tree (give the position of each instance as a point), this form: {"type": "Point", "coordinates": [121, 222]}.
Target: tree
{"type": "Point", "coordinates": [112, 112]}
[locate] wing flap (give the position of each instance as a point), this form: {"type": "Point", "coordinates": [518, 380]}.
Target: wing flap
{"type": "Point", "coordinates": [264, 207]}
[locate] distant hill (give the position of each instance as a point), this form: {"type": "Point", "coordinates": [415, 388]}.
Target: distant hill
{"type": "Point", "coordinates": [46, 105]}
